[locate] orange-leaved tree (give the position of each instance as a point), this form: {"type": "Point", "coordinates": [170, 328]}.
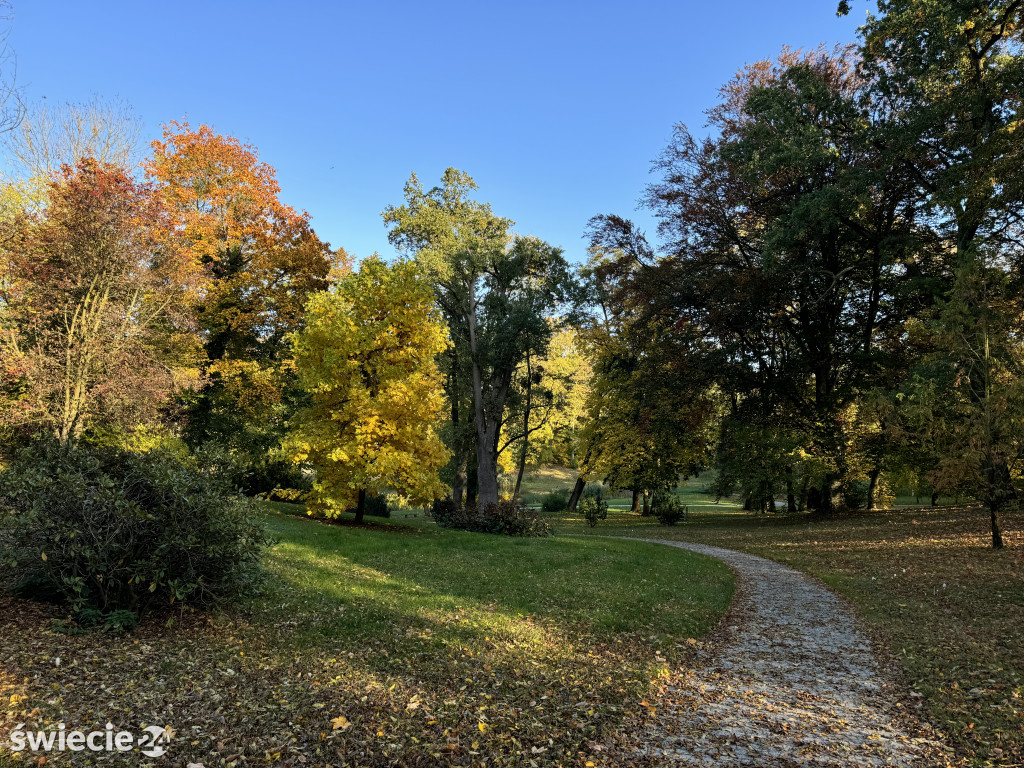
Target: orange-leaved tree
{"type": "Point", "coordinates": [261, 262]}
{"type": "Point", "coordinates": [366, 361]}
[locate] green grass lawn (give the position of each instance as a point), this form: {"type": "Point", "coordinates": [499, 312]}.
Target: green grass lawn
{"type": "Point", "coordinates": [949, 608]}
{"type": "Point", "coordinates": [397, 645]}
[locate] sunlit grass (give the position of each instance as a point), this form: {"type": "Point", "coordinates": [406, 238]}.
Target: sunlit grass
{"type": "Point", "coordinates": [434, 647]}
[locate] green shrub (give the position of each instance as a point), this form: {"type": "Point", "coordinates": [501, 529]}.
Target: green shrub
{"type": "Point", "coordinates": [117, 531]}
{"type": "Point", "coordinates": [505, 517]}
{"type": "Point", "coordinates": [556, 501]}
{"type": "Point", "coordinates": [592, 505]}
{"type": "Point", "coordinates": [666, 506]}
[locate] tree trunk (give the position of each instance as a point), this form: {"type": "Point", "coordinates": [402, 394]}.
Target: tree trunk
{"type": "Point", "coordinates": [471, 486]}
{"type": "Point", "coordinates": [873, 487]}
{"type": "Point", "coordinates": [361, 505]}
{"type": "Point", "coordinates": [577, 492]}
{"type": "Point", "coordinates": [935, 498]}
{"type": "Point", "coordinates": [997, 534]}
{"type": "Point", "coordinates": [526, 428]}
{"type": "Point", "coordinates": [486, 429]}
{"type": "Point", "coordinates": [635, 506]}
{"type": "Point", "coordinates": [459, 483]}
{"type": "Point", "coordinates": [790, 496]}
{"type": "Point", "coordinates": [647, 503]}
{"type": "Point", "coordinates": [1000, 493]}
{"type": "Point", "coordinates": [831, 493]}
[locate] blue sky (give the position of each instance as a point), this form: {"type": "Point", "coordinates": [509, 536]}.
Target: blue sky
{"type": "Point", "coordinates": [556, 108]}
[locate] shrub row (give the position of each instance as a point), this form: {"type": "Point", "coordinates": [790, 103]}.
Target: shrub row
{"type": "Point", "coordinates": [505, 517]}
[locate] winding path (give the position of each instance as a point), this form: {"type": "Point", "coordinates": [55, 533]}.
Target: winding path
{"type": "Point", "coordinates": [791, 680]}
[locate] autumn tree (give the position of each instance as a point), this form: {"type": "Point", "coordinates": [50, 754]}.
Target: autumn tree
{"type": "Point", "coordinates": [365, 359]}
{"type": "Point", "coordinates": [792, 242]}
{"type": "Point", "coordinates": [547, 405]}
{"type": "Point", "coordinates": [497, 291]}
{"type": "Point", "coordinates": [951, 76]}
{"type": "Point", "coordinates": [649, 415]}
{"type": "Point", "coordinates": [96, 294]}
{"type": "Point", "coordinates": [261, 263]}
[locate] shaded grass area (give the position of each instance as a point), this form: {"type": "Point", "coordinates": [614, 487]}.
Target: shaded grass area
{"type": "Point", "coordinates": [949, 607]}
{"type": "Point", "coordinates": [374, 649]}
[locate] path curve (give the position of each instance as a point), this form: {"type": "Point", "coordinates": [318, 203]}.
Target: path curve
{"type": "Point", "coordinates": [790, 681]}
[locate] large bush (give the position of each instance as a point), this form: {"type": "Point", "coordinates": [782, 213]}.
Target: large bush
{"type": "Point", "coordinates": [113, 530]}
{"type": "Point", "coordinates": [556, 501]}
{"type": "Point", "coordinates": [505, 517]}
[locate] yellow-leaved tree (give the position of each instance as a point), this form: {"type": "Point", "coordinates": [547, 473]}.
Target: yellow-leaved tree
{"type": "Point", "coordinates": [365, 358]}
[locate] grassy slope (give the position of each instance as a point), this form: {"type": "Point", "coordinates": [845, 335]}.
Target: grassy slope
{"type": "Point", "coordinates": [433, 646]}
{"type": "Point", "coordinates": [948, 606]}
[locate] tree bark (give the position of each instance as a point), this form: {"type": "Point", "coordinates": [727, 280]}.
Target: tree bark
{"type": "Point", "coordinates": [459, 483]}
{"type": "Point", "coordinates": [635, 506]}
{"type": "Point", "coordinates": [1000, 493]}
{"type": "Point", "coordinates": [361, 505]}
{"type": "Point", "coordinates": [577, 492]}
{"type": "Point", "coordinates": [471, 486]}
{"type": "Point", "coordinates": [831, 493]}
{"type": "Point", "coordinates": [790, 496]}
{"type": "Point", "coordinates": [647, 503]}
{"type": "Point", "coordinates": [873, 487]}
{"type": "Point", "coordinates": [486, 429]}
{"type": "Point", "coordinates": [526, 428]}
{"type": "Point", "coordinates": [997, 534]}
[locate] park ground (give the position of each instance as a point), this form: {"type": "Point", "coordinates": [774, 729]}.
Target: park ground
{"type": "Point", "coordinates": [402, 644]}
{"type": "Point", "coordinates": [947, 607]}
{"type": "Point", "coordinates": [394, 644]}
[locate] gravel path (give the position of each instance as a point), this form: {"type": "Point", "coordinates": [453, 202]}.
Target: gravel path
{"type": "Point", "coordinates": [790, 680]}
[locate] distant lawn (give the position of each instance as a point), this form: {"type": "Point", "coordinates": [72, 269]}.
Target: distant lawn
{"type": "Point", "coordinates": [412, 646]}
{"type": "Point", "coordinates": [949, 607]}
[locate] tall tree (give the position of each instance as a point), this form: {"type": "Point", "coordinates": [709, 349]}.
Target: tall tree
{"type": "Point", "coordinates": [365, 358]}
{"type": "Point", "coordinates": [96, 294]}
{"type": "Point", "coordinates": [790, 242]}
{"type": "Point", "coordinates": [951, 75]}
{"type": "Point", "coordinates": [261, 262]}
{"type": "Point", "coordinates": [497, 292]}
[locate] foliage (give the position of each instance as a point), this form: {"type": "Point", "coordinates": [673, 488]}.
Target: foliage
{"type": "Point", "coordinates": [123, 531]}
{"type": "Point", "coordinates": [498, 293]}
{"type": "Point", "coordinates": [564, 380]}
{"type": "Point", "coordinates": [261, 262]}
{"type": "Point", "coordinates": [667, 507]}
{"type": "Point", "coordinates": [504, 517]}
{"type": "Point", "coordinates": [53, 135]}
{"type": "Point", "coordinates": [953, 73]}
{"type": "Point", "coordinates": [593, 505]}
{"type": "Point", "coordinates": [365, 359]}
{"type": "Point", "coordinates": [650, 414]}
{"type": "Point", "coordinates": [96, 295]}
{"type": "Point", "coordinates": [555, 501]}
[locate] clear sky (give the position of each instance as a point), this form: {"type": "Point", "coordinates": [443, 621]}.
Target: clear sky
{"type": "Point", "coordinates": [555, 108]}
